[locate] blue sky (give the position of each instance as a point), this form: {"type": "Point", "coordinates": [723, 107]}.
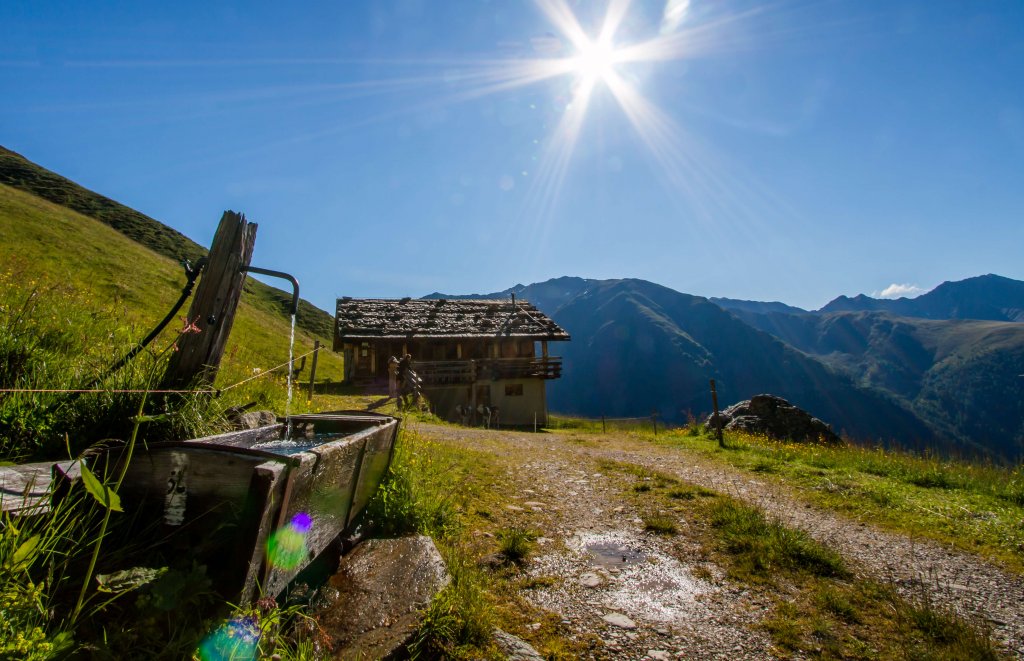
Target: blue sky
{"type": "Point", "coordinates": [786, 151]}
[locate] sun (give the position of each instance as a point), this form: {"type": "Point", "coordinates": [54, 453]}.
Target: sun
{"type": "Point", "coordinates": [595, 61]}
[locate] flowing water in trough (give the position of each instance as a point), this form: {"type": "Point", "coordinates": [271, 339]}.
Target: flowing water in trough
{"type": "Point", "coordinates": [288, 403]}
{"type": "Point", "coordinates": [288, 446]}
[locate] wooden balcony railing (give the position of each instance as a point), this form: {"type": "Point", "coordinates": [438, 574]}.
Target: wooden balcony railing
{"type": "Point", "coordinates": [454, 372]}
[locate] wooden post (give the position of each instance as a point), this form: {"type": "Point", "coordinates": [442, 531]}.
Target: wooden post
{"type": "Point", "coordinates": [604, 430]}
{"type": "Point", "coordinates": [654, 421]}
{"type": "Point", "coordinates": [214, 304]}
{"type": "Point", "coordinates": [312, 369]}
{"type": "Point", "coordinates": [716, 418]}
{"type": "Point", "coordinates": [472, 393]}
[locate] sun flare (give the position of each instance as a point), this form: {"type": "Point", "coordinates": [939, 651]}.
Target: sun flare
{"type": "Point", "coordinates": [595, 61]}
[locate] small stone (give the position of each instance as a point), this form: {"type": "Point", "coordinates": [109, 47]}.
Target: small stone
{"type": "Point", "coordinates": [590, 580]}
{"type": "Point", "coordinates": [534, 626]}
{"type": "Point", "coordinates": [619, 620]}
{"type": "Point", "coordinates": [533, 503]}
{"type": "Point", "coordinates": [662, 631]}
{"type": "Point", "coordinates": [631, 635]}
{"type": "Point", "coordinates": [514, 508]}
{"type": "Point", "coordinates": [619, 509]}
{"type": "Point", "coordinates": [515, 648]}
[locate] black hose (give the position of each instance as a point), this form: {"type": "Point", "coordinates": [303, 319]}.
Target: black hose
{"type": "Point", "coordinates": [191, 274]}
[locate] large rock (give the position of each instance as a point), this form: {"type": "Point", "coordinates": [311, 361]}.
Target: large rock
{"type": "Point", "coordinates": [383, 587]}
{"type": "Point", "coordinates": [251, 419]}
{"type": "Point", "coordinates": [776, 418]}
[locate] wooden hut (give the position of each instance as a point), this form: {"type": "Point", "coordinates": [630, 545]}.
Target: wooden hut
{"type": "Point", "coordinates": [470, 354]}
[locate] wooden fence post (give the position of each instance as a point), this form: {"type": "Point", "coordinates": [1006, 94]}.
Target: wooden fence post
{"type": "Point", "coordinates": [213, 306]}
{"type": "Point", "coordinates": [604, 430]}
{"type": "Point", "coordinates": [654, 421]}
{"type": "Point", "coordinates": [716, 418]}
{"type": "Point", "coordinates": [312, 368]}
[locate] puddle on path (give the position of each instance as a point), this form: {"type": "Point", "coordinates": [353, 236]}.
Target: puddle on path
{"type": "Point", "coordinates": [609, 553]}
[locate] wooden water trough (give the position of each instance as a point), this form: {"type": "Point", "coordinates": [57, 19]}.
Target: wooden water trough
{"type": "Point", "coordinates": [224, 497]}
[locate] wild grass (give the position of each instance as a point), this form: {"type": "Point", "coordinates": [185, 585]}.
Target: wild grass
{"type": "Point", "coordinates": [760, 546]}
{"type": "Point", "coordinates": [460, 618]}
{"type": "Point", "coordinates": [516, 543]}
{"type": "Point", "coordinates": [596, 425]}
{"type": "Point", "coordinates": [411, 499]}
{"type": "Point", "coordinates": [940, 633]}
{"type": "Point", "coordinates": [659, 524]}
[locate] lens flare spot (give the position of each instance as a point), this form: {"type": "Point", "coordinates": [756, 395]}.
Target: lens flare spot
{"type": "Point", "coordinates": [236, 640]}
{"type": "Point", "coordinates": [286, 548]}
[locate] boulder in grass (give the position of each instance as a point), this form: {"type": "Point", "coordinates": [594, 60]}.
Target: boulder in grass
{"type": "Point", "coordinates": [776, 418]}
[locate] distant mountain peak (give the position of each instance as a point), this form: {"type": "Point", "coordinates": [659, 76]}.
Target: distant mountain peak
{"type": "Point", "coordinates": [988, 297]}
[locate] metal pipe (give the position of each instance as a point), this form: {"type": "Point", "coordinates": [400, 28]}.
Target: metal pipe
{"type": "Point", "coordinates": [282, 275]}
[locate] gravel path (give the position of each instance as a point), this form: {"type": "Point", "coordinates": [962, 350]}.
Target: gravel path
{"type": "Point", "coordinates": [717, 624]}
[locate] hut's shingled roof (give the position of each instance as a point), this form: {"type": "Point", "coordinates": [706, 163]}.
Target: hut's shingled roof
{"type": "Point", "coordinates": [376, 318]}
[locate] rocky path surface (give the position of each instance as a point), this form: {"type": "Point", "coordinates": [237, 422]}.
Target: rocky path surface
{"type": "Point", "coordinates": [687, 609]}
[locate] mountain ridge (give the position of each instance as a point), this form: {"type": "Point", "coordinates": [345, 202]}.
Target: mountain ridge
{"type": "Point", "coordinates": [845, 373]}
{"type": "Point", "coordinates": [987, 297]}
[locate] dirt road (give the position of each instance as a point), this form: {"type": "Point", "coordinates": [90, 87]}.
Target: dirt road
{"type": "Point", "coordinates": [650, 596]}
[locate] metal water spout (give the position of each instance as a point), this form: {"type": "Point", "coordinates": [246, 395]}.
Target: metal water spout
{"type": "Point", "coordinates": [284, 276]}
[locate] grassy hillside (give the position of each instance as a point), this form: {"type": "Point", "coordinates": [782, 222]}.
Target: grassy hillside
{"type": "Point", "coordinates": [18, 172]}
{"type": "Point", "coordinates": [56, 245]}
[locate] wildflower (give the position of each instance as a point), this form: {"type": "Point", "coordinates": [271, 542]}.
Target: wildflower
{"type": "Point", "coordinates": [189, 326]}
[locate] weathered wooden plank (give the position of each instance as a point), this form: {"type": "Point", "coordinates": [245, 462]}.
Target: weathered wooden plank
{"type": "Point", "coordinates": [376, 459]}
{"type": "Point", "coordinates": [265, 494]}
{"type": "Point", "coordinates": [244, 438]}
{"type": "Point", "coordinates": [26, 489]}
{"type": "Point", "coordinates": [214, 304]}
